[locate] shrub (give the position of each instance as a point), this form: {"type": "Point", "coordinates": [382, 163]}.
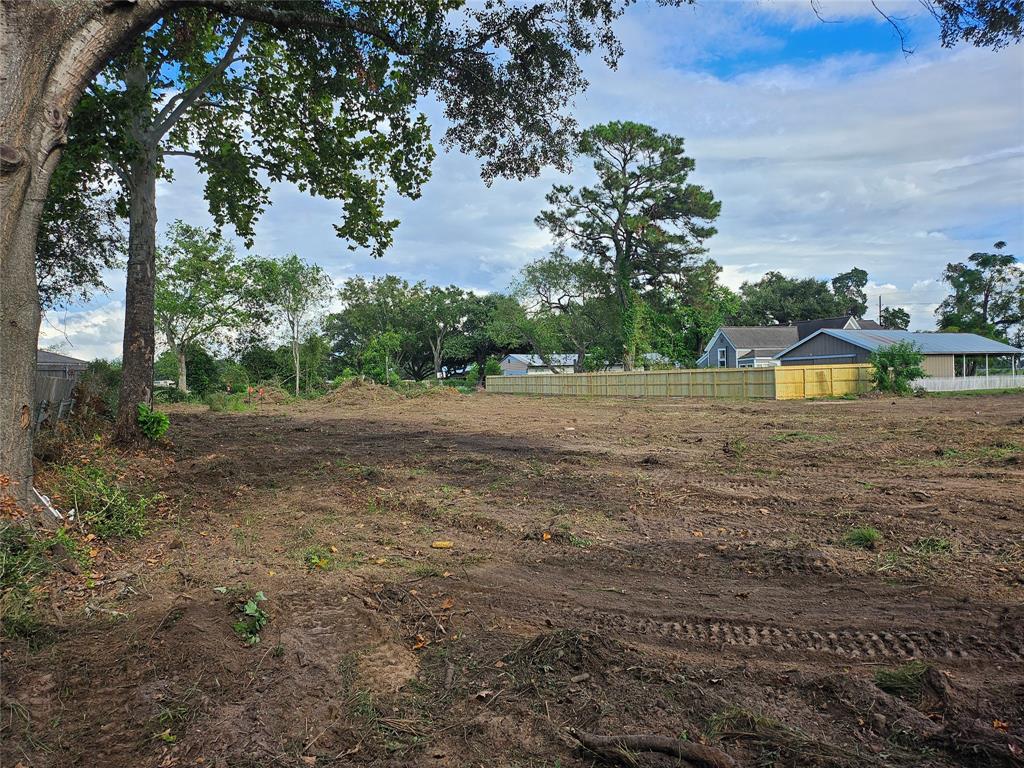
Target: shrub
{"type": "Point", "coordinates": [864, 537]}
{"type": "Point", "coordinates": [154, 424]}
{"type": "Point", "coordinates": [895, 366]}
{"type": "Point", "coordinates": [108, 509]}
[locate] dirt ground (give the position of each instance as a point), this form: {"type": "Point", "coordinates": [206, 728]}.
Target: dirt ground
{"type": "Point", "coordinates": [673, 567]}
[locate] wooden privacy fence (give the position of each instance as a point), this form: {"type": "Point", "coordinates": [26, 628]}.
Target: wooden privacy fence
{"type": "Point", "coordinates": [53, 399]}
{"type": "Point", "coordinates": [780, 383]}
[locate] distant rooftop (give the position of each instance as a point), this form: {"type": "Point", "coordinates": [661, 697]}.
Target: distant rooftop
{"type": "Point", "coordinates": [44, 357]}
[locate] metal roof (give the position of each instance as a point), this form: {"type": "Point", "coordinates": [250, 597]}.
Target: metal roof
{"type": "Point", "coordinates": [928, 343]}
{"type": "Point", "coordinates": [43, 357]}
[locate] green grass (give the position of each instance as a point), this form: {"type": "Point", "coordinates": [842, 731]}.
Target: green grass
{"type": "Point", "coordinates": [862, 537]}
{"type": "Point", "coordinates": [978, 392]}
{"type": "Point", "coordinates": [222, 401]}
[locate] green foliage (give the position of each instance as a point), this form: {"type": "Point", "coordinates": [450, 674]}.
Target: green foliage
{"type": "Point", "coordinates": [862, 537]}
{"type": "Point", "coordinates": [893, 367]}
{"type": "Point", "coordinates": [492, 367]}
{"type": "Point", "coordinates": [24, 558]}
{"type": "Point", "coordinates": [201, 293]}
{"type": "Point", "coordinates": [379, 359]}
{"type": "Point", "coordinates": [252, 619]}
{"type": "Point", "coordinates": [987, 296]}
{"type": "Point", "coordinates": [318, 558]}
{"type": "Point", "coordinates": [108, 509]}
{"type": "Point", "coordinates": [777, 300]}
{"type": "Point", "coordinates": [154, 424]}
{"type": "Point", "coordinates": [895, 318]}
{"type": "Point", "coordinates": [99, 386]}
{"type": "Point", "coordinates": [848, 288]}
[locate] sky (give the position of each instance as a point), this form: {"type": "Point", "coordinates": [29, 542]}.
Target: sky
{"type": "Point", "coordinates": [828, 146]}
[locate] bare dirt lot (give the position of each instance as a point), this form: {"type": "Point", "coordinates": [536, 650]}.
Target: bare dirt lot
{"type": "Point", "coordinates": [681, 568]}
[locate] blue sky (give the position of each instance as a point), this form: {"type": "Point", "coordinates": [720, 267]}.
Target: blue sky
{"type": "Point", "coordinates": [828, 147]}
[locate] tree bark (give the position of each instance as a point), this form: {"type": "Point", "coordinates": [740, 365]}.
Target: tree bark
{"type": "Point", "coordinates": [182, 371]}
{"type": "Point", "coordinates": [48, 54]}
{"type": "Point", "coordinates": [295, 359]}
{"type": "Point", "coordinates": [139, 346]}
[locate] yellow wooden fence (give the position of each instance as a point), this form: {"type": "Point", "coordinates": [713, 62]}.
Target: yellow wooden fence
{"type": "Point", "coordinates": [781, 383]}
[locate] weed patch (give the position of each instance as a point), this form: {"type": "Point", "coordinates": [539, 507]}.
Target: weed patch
{"type": "Point", "coordinates": [252, 619]}
{"type": "Point", "coordinates": [221, 401]}
{"type": "Point", "coordinates": [102, 503]}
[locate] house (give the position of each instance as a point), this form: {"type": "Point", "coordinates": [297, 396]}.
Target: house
{"type": "Point", "coordinates": [737, 346]}
{"type": "Point", "coordinates": [945, 354]}
{"type": "Point", "coordinates": [740, 346]}
{"type": "Point", "coordinates": [58, 366]}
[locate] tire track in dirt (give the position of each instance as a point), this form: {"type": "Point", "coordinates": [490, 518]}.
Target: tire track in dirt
{"type": "Point", "coordinates": [851, 644]}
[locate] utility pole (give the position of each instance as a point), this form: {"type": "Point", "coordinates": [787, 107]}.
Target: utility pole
{"type": "Point", "coordinates": [879, 309]}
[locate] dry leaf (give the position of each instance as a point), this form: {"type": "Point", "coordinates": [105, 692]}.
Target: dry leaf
{"type": "Point", "coordinates": [441, 544]}
{"type": "Point", "coordinates": [546, 536]}
{"type": "Point", "coordinates": [449, 603]}
{"type": "Point", "coordinates": [334, 549]}
{"type": "Point", "coordinates": [421, 642]}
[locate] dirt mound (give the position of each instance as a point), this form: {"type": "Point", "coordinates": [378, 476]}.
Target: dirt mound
{"type": "Point", "coordinates": [359, 392]}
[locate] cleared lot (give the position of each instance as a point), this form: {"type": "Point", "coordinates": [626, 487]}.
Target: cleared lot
{"type": "Point", "coordinates": [695, 569]}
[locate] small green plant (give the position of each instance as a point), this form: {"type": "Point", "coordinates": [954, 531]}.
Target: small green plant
{"type": "Point", "coordinates": [154, 424]}
{"type": "Point", "coordinates": [862, 537]}
{"type": "Point", "coordinates": [318, 558]}
{"type": "Point", "coordinates": [895, 366]}
{"type": "Point", "coordinates": [102, 503]}
{"type": "Point", "coordinates": [906, 681]}
{"type": "Point", "coordinates": [252, 619]}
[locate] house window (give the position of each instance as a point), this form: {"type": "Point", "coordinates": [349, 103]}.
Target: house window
{"type": "Point", "coordinates": [723, 357]}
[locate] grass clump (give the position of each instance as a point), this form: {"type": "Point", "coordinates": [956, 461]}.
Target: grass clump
{"type": "Point", "coordinates": [252, 619]}
{"type": "Point", "coordinates": [104, 505]}
{"type": "Point", "coordinates": [318, 558]}
{"type": "Point", "coordinates": [862, 537]}
{"type": "Point", "coordinates": [797, 435]}
{"type": "Point", "coordinates": [906, 681]}
{"type": "Point", "coordinates": [222, 401]}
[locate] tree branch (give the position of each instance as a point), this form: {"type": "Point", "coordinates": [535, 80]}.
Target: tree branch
{"type": "Point", "coordinates": [164, 122]}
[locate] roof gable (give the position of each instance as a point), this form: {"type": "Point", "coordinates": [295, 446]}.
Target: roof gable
{"type": "Point", "coordinates": [928, 343]}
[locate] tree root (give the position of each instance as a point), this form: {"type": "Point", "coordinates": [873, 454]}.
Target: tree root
{"type": "Point", "coordinates": [619, 747]}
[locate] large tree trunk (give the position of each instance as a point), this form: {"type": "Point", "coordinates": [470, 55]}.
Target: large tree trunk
{"type": "Point", "coordinates": [182, 370]}
{"type": "Point", "coordinates": [295, 359]}
{"type": "Point", "coordinates": [48, 54]}
{"type": "Point", "coordinates": [139, 330]}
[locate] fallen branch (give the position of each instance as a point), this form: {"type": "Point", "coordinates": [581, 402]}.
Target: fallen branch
{"type": "Point", "coordinates": [697, 754]}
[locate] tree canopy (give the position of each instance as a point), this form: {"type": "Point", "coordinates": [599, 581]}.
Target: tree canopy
{"type": "Point", "coordinates": [987, 296]}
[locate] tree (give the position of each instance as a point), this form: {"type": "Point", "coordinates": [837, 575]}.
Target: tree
{"type": "Point", "coordinates": [777, 300]}
{"type": "Point", "coordinates": [895, 318]}
{"type": "Point", "coordinates": [686, 317]}
{"type": "Point", "coordinates": [987, 297]}
{"type": "Point", "coordinates": [895, 366]}
{"type": "Point", "coordinates": [485, 334]}
{"type": "Point", "coordinates": [445, 311]}
{"type": "Point", "coordinates": [199, 289]}
{"type": "Point", "coordinates": [295, 291]}
{"type": "Point", "coordinates": [848, 288]}
{"type": "Point", "coordinates": [642, 224]}
{"type": "Point", "coordinates": [503, 73]}
{"type": "Point", "coordinates": [572, 296]}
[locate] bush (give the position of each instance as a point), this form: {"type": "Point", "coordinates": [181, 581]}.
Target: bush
{"type": "Point", "coordinates": [895, 366]}
{"type": "Point", "coordinates": [99, 386]}
{"type": "Point", "coordinates": [153, 424]}
{"type": "Point", "coordinates": [492, 367]}
{"type": "Point", "coordinates": [108, 509]}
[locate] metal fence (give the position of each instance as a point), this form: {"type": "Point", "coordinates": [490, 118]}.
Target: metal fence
{"type": "Point", "coordinates": [967, 383]}
{"type": "Point", "coordinates": [778, 383]}
{"type": "Point", "coordinates": [52, 400]}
